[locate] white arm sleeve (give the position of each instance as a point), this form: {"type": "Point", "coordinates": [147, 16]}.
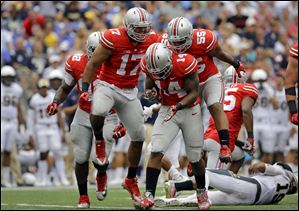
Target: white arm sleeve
{"type": "Point", "coordinates": [68, 79]}
{"type": "Point", "coordinates": [273, 170]}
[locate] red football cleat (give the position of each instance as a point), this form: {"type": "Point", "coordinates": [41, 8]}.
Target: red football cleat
{"type": "Point", "coordinates": [83, 202]}
{"type": "Point", "coordinates": [146, 203]}
{"type": "Point", "coordinates": [132, 186]}
{"type": "Point", "coordinates": [202, 200]}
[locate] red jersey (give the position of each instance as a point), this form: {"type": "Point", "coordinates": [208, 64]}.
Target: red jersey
{"type": "Point", "coordinates": [122, 68]}
{"type": "Point", "coordinates": [232, 106]}
{"type": "Point", "coordinates": [171, 89]}
{"type": "Point", "coordinates": [203, 41]}
{"type": "Point", "coordinates": [74, 67]}
{"type": "Point", "coordinates": [294, 51]}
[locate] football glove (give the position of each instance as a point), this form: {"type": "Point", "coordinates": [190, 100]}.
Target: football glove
{"type": "Point", "coordinates": [225, 154]}
{"type": "Point", "coordinates": [172, 112]}
{"type": "Point", "coordinates": [249, 146]}
{"type": "Point", "coordinates": [52, 109]}
{"type": "Point", "coordinates": [83, 99]}
{"type": "Point", "coordinates": [240, 69]}
{"type": "Point", "coordinates": [119, 131]}
{"type": "Point", "coordinates": [294, 118]}
{"type": "Point", "coordinates": [148, 111]}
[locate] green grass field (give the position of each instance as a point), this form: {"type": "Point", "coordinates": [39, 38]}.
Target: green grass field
{"type": "Point", "coordinates": [117, 199]}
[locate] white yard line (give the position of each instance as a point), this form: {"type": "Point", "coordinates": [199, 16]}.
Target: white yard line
{"type": "Point", "coordinates": [69, 206]}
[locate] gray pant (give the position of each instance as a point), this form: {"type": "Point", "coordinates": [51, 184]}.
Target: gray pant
{"type": "Point", "coordinates": [189, 121]}
{"type": "Point", "coordinates": [82, 136]}
{"type": "Point", "coordinates": [129, 111]}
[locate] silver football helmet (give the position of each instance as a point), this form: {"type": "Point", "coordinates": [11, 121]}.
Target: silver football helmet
{"type": "Point", "coordinates": [231, 76]}
{"type": "Point", "coordinates": [137, 17]}
{"type": "Point", "coordinates": [158, 61]}
{"type": "Point", "coordinates": [180, 34]}
{"type": "Point", "coordinates": [92, 43]}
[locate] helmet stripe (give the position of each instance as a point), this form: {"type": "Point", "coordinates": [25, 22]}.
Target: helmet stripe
{"type": "Point", "coordinates": [175, 30]}
{"type": "Point", "coordinates": [141, 15]}
{"type": "Point", "coordinates": [235, 77]}
{"type": "Point", "coordinates": [152, 56]}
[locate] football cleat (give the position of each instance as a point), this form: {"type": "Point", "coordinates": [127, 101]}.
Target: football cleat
{"type": "Point", "coordinates": [131, 185]}
{"type": "Point", "coordinates": [202, 198]}
{"type": "Point", "coordinates": [101, 192]}
{"type": "Point", "coordinates": [146, 203]}
{"type": "Point", "coordinates": [83, 202]}
{"type": "Point", "coordinates": [101, 151]}
{"type": "Point", "coordinates": [170, 189]}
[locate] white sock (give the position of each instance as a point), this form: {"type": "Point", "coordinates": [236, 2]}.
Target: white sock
{"type": "Point", "coordinates": [184, 171]}
{"type": "Point", "coordinates": [173, 172]}
{"type": "Point", "coordinates": [6, 175]}
{"type": "Point", "coordinates": [43, 169]}
{"type": "Point", "coordinates": [60, 167]}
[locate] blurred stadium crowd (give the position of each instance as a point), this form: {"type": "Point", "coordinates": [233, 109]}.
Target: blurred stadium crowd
{"type": "Point", "coordinates": [38, 36]}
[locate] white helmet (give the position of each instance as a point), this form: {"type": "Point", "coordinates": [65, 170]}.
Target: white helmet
{"type": "Point", "coordinates": [158, 61]}
{"type": "Point", "coordinates": [92, 43]}
{"type": "Point", "coordinates": [7, 71]}
{"type": "Point", "coordinates": [134, 18]}
{"type": "Point", "coordinates": [231, 76]}
{"type": "Point", "coordinates": [259, 75]}
{"type": "Point", "coordinates": [29, 179]}
{"type": "Point", "coordinates": [180, 34]}
{"type": "Point", "coordinates": [43, 82]}
{"type": "Point", "coordinates": [56, 74]}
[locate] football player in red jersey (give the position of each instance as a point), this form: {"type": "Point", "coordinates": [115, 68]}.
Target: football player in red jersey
{"type": "Point", "coordinates": [175, 78]}
{"type": "Point", "coordinates": [239, 100]}
{"type": "Point", "coordinates": [203, 45]}
{"type": "Point", "coordinates": [119, 54]}
{"type": "Point", "coordinates": [81, 131]}
{"type": "Point", "coordinates": [290, 83]}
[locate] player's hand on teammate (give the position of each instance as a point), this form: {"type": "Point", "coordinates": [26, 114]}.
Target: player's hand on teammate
{"type": "Point", "coordinates": [119, 131]}
{"type": "Point", "coordinates": [171, 112]}
{"type": "Point", "coordinates": [225, 154]}
{"type": "Point", "coordinates": [52, 109]}
{"type": "Point", "coordinates": [294, 118]}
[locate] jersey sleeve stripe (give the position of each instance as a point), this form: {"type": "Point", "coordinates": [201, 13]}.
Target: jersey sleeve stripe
{"type": "Point", "coordinates": [251, 87]}
{"type": "Point", "coordinates": [106, 42]}
{"type": "Point", "coordinates": [294, 53]}
{"type": "Point", "coordinates": [192, 66]}
{"type": "Point", "coordinates": [212, 44]}
{"type": "Point", "coordinates": [251, 90]}
{"type": "Point", "coordinates": [67, 64]}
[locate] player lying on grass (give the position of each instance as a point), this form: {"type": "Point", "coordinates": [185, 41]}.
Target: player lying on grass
{"type": "Point", "coordinates": [268, 184]}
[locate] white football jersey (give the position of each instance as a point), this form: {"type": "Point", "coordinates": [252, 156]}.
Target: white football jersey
{"type": "Point", "coordinates": [281, 115]}
{"type": "Point", "coordinates": [10, 96]}
{"type": "Point", "coordinates": [39, 105]}
{"type": "Point", "coordinates": [273, 188]}
{"type": "Point", "coordinates": [262, 109]}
